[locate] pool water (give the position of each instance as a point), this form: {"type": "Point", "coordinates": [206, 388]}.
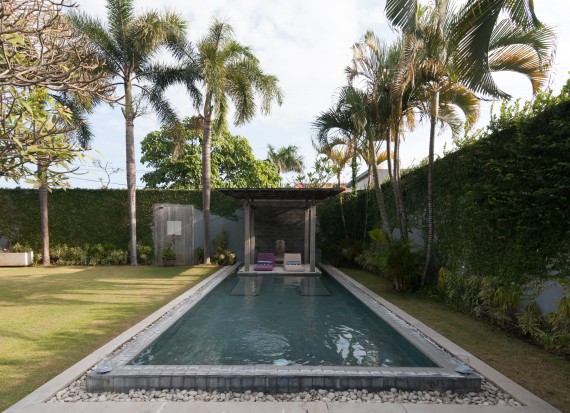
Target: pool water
{"type": "Point", "coordinates": [281, 320]}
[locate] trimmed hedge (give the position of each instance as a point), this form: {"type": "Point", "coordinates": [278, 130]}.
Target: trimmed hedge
{"type": "Point", "coordinates": [501, 203]}
{"type": "Point", "coordinates": [92, 216]}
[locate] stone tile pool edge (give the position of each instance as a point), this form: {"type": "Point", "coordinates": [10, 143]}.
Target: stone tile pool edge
{"type": "Point", "coordinates": [274, 379]}
{"type": "Point", "coordinates": [35, 401]}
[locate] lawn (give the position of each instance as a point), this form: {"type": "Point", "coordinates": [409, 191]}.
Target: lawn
{"type": "Point", "coordinates": [546, 375]}
{"type": "Point", "coordinates": [50, 318]}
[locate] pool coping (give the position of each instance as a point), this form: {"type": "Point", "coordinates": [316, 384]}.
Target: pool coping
{"type": "Point", "coordinates": [35, 401]}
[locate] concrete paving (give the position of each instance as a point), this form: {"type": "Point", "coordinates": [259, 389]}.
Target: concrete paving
{"type": "Point", "coordinates": [35, 402]}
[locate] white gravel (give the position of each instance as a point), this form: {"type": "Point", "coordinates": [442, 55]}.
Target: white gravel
{"type": "Point", "coordinates": [489, 395]}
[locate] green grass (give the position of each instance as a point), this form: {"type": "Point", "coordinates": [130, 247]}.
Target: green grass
{"type": "Point", "coordinates": [50, 318]}
{"type": "Point", "coordinates": [545, 374]}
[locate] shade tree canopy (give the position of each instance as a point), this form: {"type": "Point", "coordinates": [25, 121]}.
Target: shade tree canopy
{"type": "Point", "coordinates": [233, 162]}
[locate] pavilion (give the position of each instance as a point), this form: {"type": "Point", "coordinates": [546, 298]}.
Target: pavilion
{"type": "Point", "coordinates": [282, 213]}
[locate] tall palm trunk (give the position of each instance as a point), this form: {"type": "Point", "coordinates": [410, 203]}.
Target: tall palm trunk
{"type": "Point", "coordinates": [129, 115]}
{"type": "Point", "coordinates": [389, 156]}
{"type": "Point", "coordinates": [397, 188]}
{"type": "Point", "coordinates": [430, 224]}
{"type": "Point", "coordinates": [378, 191]}
{"type": "Point", "coordinates": [44, 224]}
{"type": "Point", "coordinates": [341, 203]}
{"type": "Point", "coordinates": [206, 177]}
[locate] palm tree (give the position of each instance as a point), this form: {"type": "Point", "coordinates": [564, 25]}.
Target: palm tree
{"type": "Point", "coordinates": [339, 155]}
{"type": "Point", "coordinates": [230, 72]}
{"type": "Point", "coordinates": [444, 49]}
{"type": "Point", "coordinates": [286, 159]}
{"type": "Point", "coordinates": [127, 44]}
{"type": "Point", "coordinates": [352, 118]}
{"type": "Point", "coordinates": [373, 65]}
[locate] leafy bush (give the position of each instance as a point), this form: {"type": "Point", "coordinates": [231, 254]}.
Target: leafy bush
{"type": "Point", "coordinates": [97, 254]}
{"type": "Point", "coordinates": [221, 254]}
{"type": "Point", "coordinates": [499, 301]}
{"type": "Point", "coordinates": [198, 255]}
{"type": "Point", "coordinates": [396, 260]}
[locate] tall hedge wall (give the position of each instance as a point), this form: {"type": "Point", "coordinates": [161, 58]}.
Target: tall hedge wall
{"type": "Point", "coordinates": [91, 216]}
{"type": "Point", "coordinates": [501, 204]}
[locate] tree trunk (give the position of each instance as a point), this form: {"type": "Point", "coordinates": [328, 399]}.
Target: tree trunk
{"type": "Point", "coordinates": [206, 179]}
{"type": "Point", "coordinates": [378, 192]}
{"type": "Point", "coordinates": [429, 239]}
{"type": "Point", "coordinates": [354, 168]}
{"type": "Point", "coordinates": [131, 168]}
{"type": "Point", "coordinates": [340, 201]}
{"type": "Point", "coordinates": [43, 192]}
{"type": "Point", "coordinates": [388, 156]}
{"type": "Point", "coordinates": [397, 188]}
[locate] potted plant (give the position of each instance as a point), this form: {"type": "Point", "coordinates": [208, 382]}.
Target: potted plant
{"type": "Point", "coordinates": [168, 254]}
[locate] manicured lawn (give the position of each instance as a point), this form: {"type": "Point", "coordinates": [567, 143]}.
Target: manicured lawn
{"type": "Point", "coordinates": [50, 318]}
{"type": "Point", "coordinates": [545, 374]}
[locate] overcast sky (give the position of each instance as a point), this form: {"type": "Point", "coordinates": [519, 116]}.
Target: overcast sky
{"type": "Point", "coordinates": [306, 44]}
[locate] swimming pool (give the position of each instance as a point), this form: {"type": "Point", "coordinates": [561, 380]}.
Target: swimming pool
{"type": "Point", "coordinates": [281, 333]}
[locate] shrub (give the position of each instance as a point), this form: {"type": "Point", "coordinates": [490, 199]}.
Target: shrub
{"type": "Point", "coordinates": [198, 255]}
{"type": "Point", "coordinates": [396, 260]}
{"type": "Point", "coordinates": [222, 255]}
{"type": "Point", "coordinates": [97, 254]}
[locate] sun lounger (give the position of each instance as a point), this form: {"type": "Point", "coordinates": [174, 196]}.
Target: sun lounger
{"type": "Point", "coordinates": [265, 261]}
{"type": "Point", "coordinates": [292, 262]}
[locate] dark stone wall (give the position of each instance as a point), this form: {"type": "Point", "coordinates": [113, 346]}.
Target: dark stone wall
{"type": "Point", "coordinates": [272, 224]}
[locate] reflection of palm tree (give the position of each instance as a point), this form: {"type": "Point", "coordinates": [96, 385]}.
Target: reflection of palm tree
{"type": "Point", "coordinates": [286, 158]}
{"type": "Point", "coordinates": [126, 45]}
{"type": "Point", "coordinates": [451, 53]}
{"type": "Point", "coordinates": [230, 72]}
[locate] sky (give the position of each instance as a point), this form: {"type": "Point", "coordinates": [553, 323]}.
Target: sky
{"type": "Point", "coordinates": [307, 45]}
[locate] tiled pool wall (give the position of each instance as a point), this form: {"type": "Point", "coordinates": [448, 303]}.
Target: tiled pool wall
{"type": "Point", "coordinates": [271, 378]}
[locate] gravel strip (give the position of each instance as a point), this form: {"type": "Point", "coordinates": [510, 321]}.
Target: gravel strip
{"type": "Point", "coordinates": [490, 395]}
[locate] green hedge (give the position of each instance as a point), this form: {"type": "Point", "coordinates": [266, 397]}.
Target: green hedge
{"type": "Point", "coordinates": [501, 203]}
{"type": "Point", "coordinates": [92, 216]}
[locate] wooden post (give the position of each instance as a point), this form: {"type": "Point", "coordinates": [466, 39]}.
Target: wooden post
{"type": "Point", "coordinates": [252, 235]}
{"type": "Point", "coordinates": [307, 225]}
{"type": "Point", "coordinates": [313, 232]}
{"type": "Point", "coordinates": [247, 237]}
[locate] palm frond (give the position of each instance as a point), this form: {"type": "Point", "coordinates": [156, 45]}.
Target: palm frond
{"type": "Point", "coordinates": [119, 17]}
{"type": "Point", "coordinates": [521, 59]}
{"type": "Point", "coordinates": [103, 44]}
{"type": "Point", "coordinates": [541, 39]}
{"type": "Point", "coordinates": [402, 14]}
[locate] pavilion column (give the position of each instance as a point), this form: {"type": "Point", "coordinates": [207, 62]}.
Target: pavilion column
{"type": "Point", "coordinates": [306, 239]}
{"type": "Point", "coordinates": [247, 237]}
{"type": "Point", "coordinates": [252, 234]}
{"type": "Point", "coordinates": [313, 232]}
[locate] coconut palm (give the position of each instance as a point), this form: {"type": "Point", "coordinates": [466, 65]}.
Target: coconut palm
{"type": "Point", "coordinates": [440, 62]}
{"type": "Point", "coordinates": [229, 72]}
{"type": "Point", "coordinates": [127, 44]}
{"type": "Point", "coordinates": [286, 158]}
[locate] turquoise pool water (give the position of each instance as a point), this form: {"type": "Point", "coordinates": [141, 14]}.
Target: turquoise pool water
{"type": "Point", "coordinates": [281, 320]}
